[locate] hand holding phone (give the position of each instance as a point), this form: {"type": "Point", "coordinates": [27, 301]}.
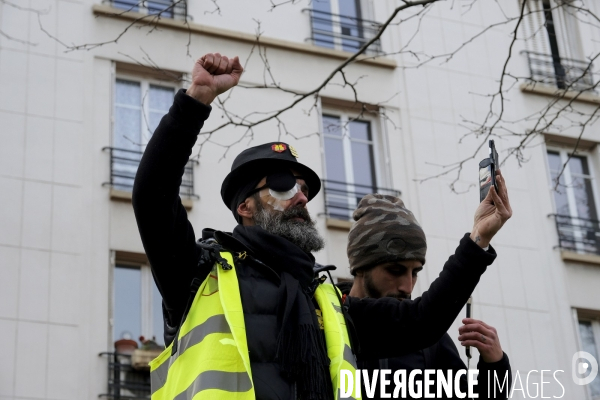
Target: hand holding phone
{"type": "Point", "coordinates": [487, 172]}
{"type": "Point", "coordinates": [494, 208]}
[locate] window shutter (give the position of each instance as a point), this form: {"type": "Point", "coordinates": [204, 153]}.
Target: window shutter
{"type": "Point", "coordinates": [567, 30]}
{"type": "Point", "coordinates": [534, 26]}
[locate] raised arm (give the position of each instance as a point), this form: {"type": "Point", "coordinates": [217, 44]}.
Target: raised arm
{"type": "Point", "coordinates": [388, 327]}
{"type": "Point", "coordinates": [167, 235]}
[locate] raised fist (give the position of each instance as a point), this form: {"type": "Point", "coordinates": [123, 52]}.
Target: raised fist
{"type": "Point", "coordinates": [212, 75]}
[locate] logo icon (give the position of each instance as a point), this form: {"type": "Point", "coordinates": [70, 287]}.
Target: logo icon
{"type": "Point", "coordinates": [280, 147]}
{"type": "Point", "coordinates": [583, 364]}
{"type": "Point", "coordinates": [293, 151]}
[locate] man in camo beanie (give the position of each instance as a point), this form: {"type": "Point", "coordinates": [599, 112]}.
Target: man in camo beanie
{"type": "Point", "coordinates": [385, 230]}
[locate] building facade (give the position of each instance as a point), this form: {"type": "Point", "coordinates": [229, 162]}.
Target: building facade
{"type": "Point", "coordinates": [83, 84]}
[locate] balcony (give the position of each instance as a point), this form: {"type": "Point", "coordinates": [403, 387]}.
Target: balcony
{"type": "Point", "coordinates": [176, 9]}
{"type": "Point", "coordinates": [125, 382]}
{"type": "Point", "coordinates": [342, 198]}
{"type": "Point", "coordinates": [563, 73]}
{"type": "Point", "coordinates": [342, 32]}
{"type": "Point", "coordinates": [578, 235]}
{"type": "Point", "coordinates": [123, 167]}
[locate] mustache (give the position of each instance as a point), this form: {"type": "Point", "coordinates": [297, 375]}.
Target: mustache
{"type": "Point", "coordinates": [296, 212]}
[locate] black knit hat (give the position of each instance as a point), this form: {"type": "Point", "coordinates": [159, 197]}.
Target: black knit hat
{"type": "Point", "coordinates": [253, 164]}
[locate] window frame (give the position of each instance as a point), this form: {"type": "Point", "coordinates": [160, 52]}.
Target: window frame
{"type": "Point", "coordinates": [572, 202]}
{"type": "Point", "coordinates": [146, 298]}
{"type": "Point", "coordinates": [564, 154]}
{"type": "Point", "coordinates": [141, 7]}
{"type": "Point", "coordinates": [337, 25]}
{"type": "Point", "coordinates": [554, 47]}
{"type": "Point", "coordinates": [595, 321]}
{"type": "Point", "coordinates": [145, 83]}
{"type": "Point", "coordinates": [334, 37]}
{"type": "Point", "coordinates": [378, 140]}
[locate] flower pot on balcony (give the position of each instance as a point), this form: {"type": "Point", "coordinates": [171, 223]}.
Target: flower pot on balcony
{"type": "Point", "coordinates": [125, 346]}
{"type": "Point", "coordinates": [140, 358]}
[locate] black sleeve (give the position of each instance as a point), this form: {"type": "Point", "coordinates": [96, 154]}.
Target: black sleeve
{"type": "Point", "coordinates": [167, 235]}
{"type": "Point", "coordinates": [447, 357]}
{"type": "Point", "coordinates": [495, 376]}
{"type": "Point", "coordinates": [388, 327]}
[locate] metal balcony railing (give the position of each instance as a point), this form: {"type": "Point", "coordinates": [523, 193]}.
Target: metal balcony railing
{"type": "Point", "coordinates": [578, 234]}
{"type": "Point", "coordinates": [125, 382]}
{"type": "Point", "coordinates": [124, 164]}
{"type": "Point", "coordinates": [342, 32]}
{"type": "Point", "coordinates": [342, 198]}
{"type": "Point", "coordinates": [564, 73]}
{"type": "Point", "coordinates": [176, 9]}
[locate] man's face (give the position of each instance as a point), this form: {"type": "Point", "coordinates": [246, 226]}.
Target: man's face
{"type": "Point", "coordinates": [287, 218]}
{"type": "Point", "coordinates": [393, 279]}
{"type": "Point", "coordinates": [265, 200]}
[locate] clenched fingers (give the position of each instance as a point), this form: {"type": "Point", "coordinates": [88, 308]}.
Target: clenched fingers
{"type": "Point", "coordinates": [503, 192]}
{"type": "Point", "coordinates": [483, 337]}
{"type": "Point", "coordinates": [468, 321]}
{"type": "Point", "coordinates": [222, 67]}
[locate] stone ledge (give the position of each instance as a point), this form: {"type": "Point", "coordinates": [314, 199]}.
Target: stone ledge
{"type": "Point", "coordinates": [111, 12]}
{"type": "Point", "coordinates": [125, 196]}
{"type": "Point", "coordinates": [340, 224]}
{"type": "Point", "coordinates": [552, 91]}
{"type": "Point", "coordinates": [578, 257]}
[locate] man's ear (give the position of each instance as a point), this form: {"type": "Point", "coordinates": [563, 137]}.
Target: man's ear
{"type": "Point", "coordinates": [244, 209]}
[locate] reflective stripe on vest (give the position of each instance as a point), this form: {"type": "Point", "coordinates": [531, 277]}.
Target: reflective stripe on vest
{"type": "Point", "coordinates": [336, 336]}
{"type": "Point", "coordinates": [214, 324]}
{"type": "Point", "coordinates": [212, 359]}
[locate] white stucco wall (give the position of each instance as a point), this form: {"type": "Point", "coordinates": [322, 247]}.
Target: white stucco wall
{"type": "Point", "coordinates": [58, 225]}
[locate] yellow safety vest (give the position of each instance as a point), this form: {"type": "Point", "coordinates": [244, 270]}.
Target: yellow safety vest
{"type": "Point", "coordinates": [212, 360]}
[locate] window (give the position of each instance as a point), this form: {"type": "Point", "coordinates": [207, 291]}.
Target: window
{"type": "Point", "coordinates": [589, 333]}
{"type": "Point", "coordinates": [350, 164]}
{"type": "Point", "coordinates": [554, 48]}
{"type": "Point", "coordinates": [341, 24]}
{"type": "Point", "coordinates": [164, 8]}
{"type": "Point", "coordinates": [575, 202]}
{"type": "Point", "coordinates": [139, 105]}
{"type": "Point", "coordinates": [137, 306]}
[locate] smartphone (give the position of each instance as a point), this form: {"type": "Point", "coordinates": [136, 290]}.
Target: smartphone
{"type": "Point", "coordinates": [487, 172]}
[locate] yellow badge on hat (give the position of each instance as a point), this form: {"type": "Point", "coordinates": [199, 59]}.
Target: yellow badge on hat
{"type": "Point", "coordinates": [279, 148]}
{"type": "Point", "coordinates": [293, 151]}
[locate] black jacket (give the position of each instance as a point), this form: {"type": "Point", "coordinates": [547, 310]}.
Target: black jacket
{"type": "Point", "coordinates": [170, 244]}
{"type": "Point", "coordinates": [443, 355]}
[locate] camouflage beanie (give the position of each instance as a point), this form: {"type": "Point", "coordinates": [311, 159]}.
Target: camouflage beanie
{"type": "Point", "coordinates": [384, 231]}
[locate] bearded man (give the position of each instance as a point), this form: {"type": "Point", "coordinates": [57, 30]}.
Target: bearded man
{"type": "Point", "coordinates": [245, 316]}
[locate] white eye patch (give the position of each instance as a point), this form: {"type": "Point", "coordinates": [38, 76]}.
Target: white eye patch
{"type": "Point", "coordinates": [285, 195]}
{"type": "Point", "coordinates": [279, 200]}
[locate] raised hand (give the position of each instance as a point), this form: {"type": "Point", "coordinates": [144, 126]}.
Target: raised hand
{"type": "Point", "coordinates": [483, 337]}
{"type": "Point", "coordinates": [492, 213]}
{"type": "Point", "coordinates": [212, 75]}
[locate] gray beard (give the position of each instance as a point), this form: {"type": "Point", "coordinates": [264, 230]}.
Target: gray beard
{"type": "Point", "coordinates": [302, 234]}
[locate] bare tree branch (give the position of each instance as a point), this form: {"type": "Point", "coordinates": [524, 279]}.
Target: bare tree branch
{"type": "Point", "coordinates": [148, 20]}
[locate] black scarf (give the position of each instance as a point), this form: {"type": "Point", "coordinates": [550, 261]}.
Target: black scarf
{"type": "Point", "coordinates": [301, 350]}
